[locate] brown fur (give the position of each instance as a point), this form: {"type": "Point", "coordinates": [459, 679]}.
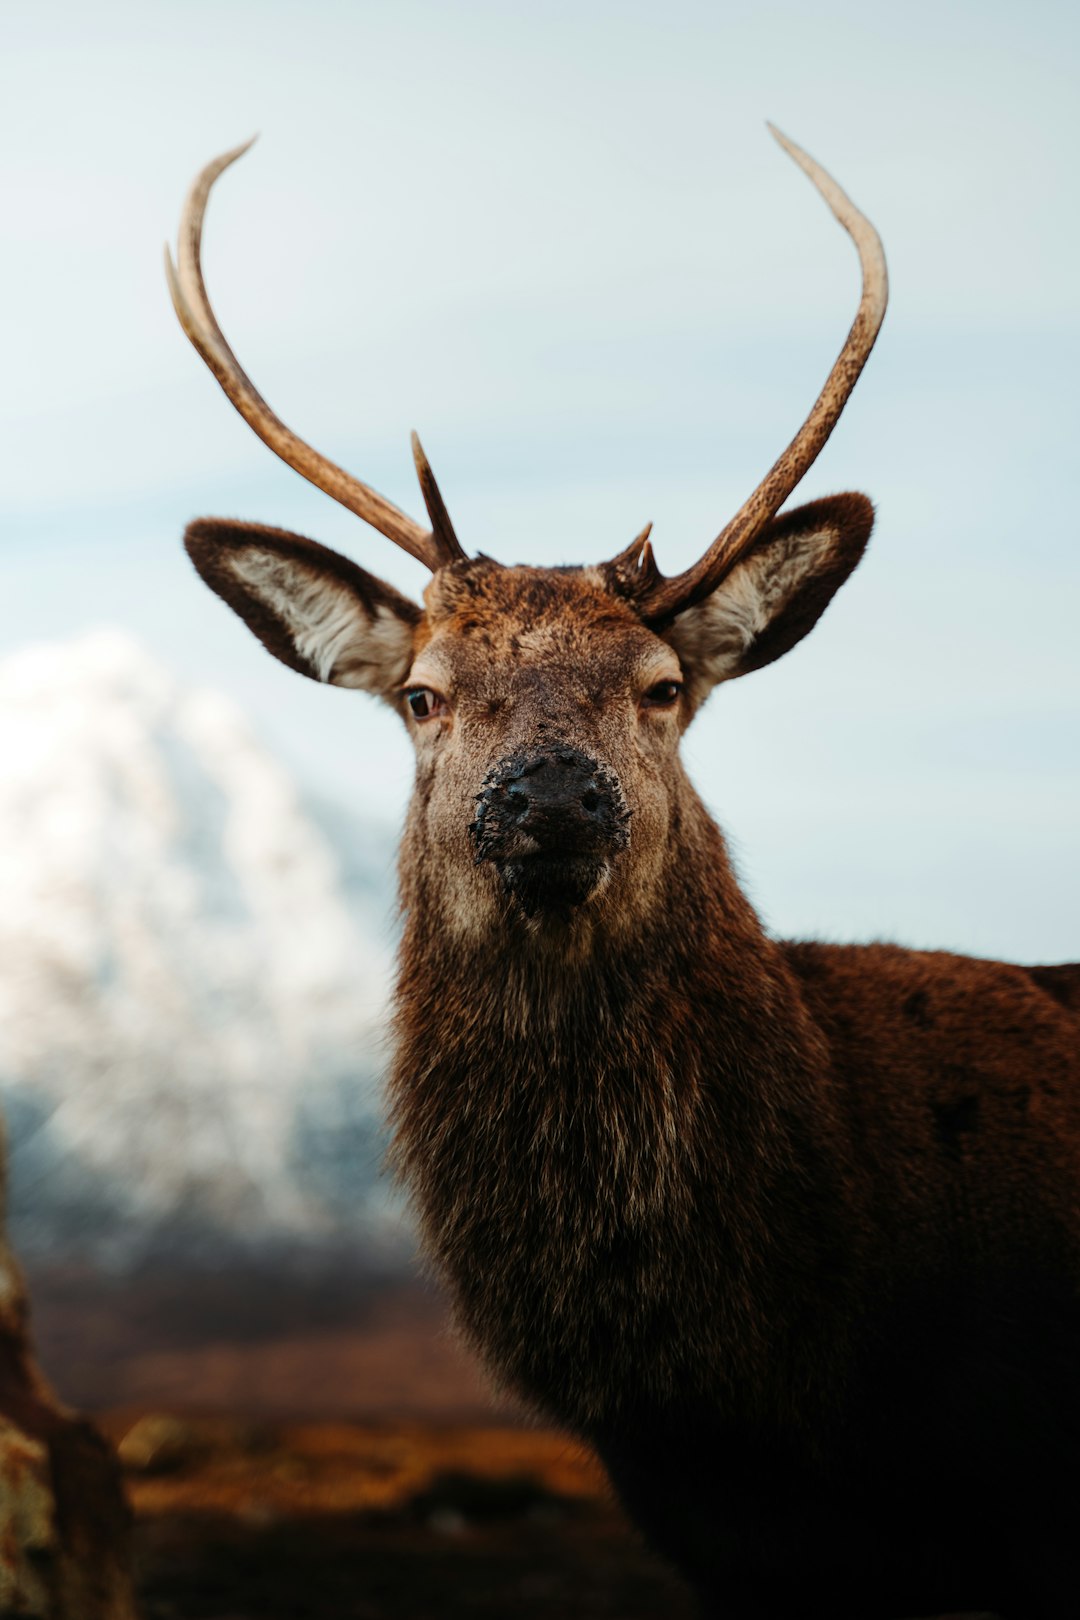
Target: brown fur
{"type": "Point", "coordinates": [791, 1233]}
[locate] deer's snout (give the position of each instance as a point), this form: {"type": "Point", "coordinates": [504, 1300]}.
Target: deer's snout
{"type": "Point", "coordinates": [550, 821]}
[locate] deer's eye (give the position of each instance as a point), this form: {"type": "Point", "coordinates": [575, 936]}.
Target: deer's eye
{"type": "Point", "coordinates": [424, 703]}
{"type": "Point", "coordinates": [664, 695]}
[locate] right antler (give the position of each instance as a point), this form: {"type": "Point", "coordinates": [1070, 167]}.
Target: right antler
{"type": "Point", "coordinates": [434, 548]}
{"type": "Point", "coordinates": [659, 599]}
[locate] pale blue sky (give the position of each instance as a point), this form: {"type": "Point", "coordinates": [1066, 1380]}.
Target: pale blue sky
{"type": "Point", "coordinates": [558, 241]}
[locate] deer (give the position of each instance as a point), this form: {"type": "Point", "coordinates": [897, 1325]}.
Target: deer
{"type": "Point", "coordinates": [788, 1232]}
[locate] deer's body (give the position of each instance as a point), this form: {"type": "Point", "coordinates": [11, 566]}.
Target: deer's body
{"type": "Point", "coordinates": [789, 1233]}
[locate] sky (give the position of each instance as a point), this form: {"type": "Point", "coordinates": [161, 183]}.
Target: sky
{"type": "Point", "coordinates": [558, 241]}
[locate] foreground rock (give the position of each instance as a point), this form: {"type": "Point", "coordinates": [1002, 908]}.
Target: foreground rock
{"type": "Point", "coordinates": [64, 1529]}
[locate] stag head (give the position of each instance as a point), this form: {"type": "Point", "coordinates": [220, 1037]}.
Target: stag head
{"type": "Point", "coordinates": [545, 704]}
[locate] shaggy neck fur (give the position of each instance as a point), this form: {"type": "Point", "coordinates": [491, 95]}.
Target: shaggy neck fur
{"type": "Point", "coordinates": [618, 1161]}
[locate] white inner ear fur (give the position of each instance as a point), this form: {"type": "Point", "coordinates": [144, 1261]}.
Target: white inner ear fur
{"type": "Point", "coordinates": [329, 628]}
{"type": "Point", "coordinates": [713, 638]}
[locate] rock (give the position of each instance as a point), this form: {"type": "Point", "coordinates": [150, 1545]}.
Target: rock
{"type": "Point", "coordinates": [159, 1444]}
{"type": "Point", "coordinates": [64, 1525]}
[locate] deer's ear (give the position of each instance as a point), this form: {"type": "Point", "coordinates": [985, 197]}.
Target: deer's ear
{"type": "Point", "coordinates": [312, 608]}
{"type": "Point", "coordinates": [775, 596]}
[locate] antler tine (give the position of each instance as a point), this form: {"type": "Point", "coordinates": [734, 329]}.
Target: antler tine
{"type": "Point", "coordinates": [666, 597]}
{"type": "Point", "coordinates": [634, 569]}
{"type": "Point", "coordinates": [192, 305]}
{"type": "Point", "coordinates": [441, 527]}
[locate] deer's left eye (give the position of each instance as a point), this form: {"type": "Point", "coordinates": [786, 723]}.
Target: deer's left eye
{"type": "Point", "coordinates": [664, 695]}
{"type": "Point", "coordinates": [424, 703]}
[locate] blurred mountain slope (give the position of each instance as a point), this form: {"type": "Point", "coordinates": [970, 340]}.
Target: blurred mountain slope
{"type": "Point", "coordinates": [194, 966]}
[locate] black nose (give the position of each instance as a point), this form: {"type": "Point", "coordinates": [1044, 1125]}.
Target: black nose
{"type": "Point", "coordinates": [550, 821]}
{"type": "Point", "coordinates": [563, 788]}
{"type": "Point", "coordinates": [558, 799]}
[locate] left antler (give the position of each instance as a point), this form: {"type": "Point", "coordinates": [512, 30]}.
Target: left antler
{"type": "Point", "coordinates": [658, 598]}
{"type": "Point", "coordinates": [434, 548]}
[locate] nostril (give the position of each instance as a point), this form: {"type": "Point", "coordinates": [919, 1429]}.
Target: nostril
{"type": "Point", "coordinates": [590, 800]}
{"type": "Point", "coordinates": [517, 801]}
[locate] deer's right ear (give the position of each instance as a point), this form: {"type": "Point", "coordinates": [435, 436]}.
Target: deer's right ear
{"type": "Point", "coordinates": [312, 608]}
{"type": "Point", "coordinates": [775, 595]}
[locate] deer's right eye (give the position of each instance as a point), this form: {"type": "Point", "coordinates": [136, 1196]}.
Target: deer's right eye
{"type": "Point", "coordinates": [664, 695]}
{"type": "Point", "coordinates": [424, 703]}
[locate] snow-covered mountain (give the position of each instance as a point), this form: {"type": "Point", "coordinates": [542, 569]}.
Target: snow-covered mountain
{"type": "Point", "coordinates": [192, 991]}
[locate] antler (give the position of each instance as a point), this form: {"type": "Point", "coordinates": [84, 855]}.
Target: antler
{"type": "Point", "coordinates": [660, 598]}
{"type": "Point", "coordinates": [189, 296]}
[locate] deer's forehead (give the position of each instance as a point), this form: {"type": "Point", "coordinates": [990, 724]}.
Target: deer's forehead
{"type": "Point", "coordinates": [487, 617]}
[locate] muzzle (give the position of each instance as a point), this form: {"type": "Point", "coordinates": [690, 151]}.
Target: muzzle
{"type": "Point", "coordinates": [551, 822]}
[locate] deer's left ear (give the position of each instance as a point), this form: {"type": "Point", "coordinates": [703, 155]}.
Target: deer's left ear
{"type": "Point", "coordinates": [775, 596]}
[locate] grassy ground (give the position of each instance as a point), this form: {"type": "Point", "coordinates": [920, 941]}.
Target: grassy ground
{"type": "Point", "coordinates": [353, 1522]}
